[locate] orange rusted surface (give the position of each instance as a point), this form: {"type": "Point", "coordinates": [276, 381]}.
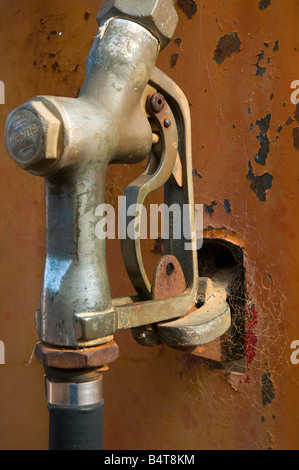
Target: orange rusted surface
{"type": "Point", "coordinates": [235, 60]}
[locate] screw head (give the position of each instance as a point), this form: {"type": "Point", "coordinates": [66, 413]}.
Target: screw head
{"type": "Point", "coordinates": [33, 136]}
{"type": "Point", "coordinates": [157, 102]}
{"type": "Point", "coordinates": [158, 16]}
{"type": "Point", "coordinates": [167, 123]}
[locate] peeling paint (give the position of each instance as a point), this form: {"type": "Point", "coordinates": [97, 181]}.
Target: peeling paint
{"type": "Point", "coordinates": [259, 184]}
{"type": "Point", "coordinates": [289, 121]}
{"type": "Point", "coordinates": [263, 124]}
{"type": "Point", "coordinates": [260, 70]}
{"type": "Point", "coordinates": [189, 7]}
{"type": "Point", "coordinates": [209, 209]}
{"type": "Point", "coordinates": [276, 46]}
{"type": "Point", "coordinates": [263, 4]}
{"type": "Point", "coordinates": [174, 59]}
{"type": "Point", "coordinates": [267, 389]}
{"type": "Point", "coordinates": [279, 129]}
{"type": "Point", "coordinates": [227, 45]}
{"type": "Point", "coordinates": [227, 206]}
{"type": "Point", "coordinates": [195, 173]}
{"type": "Point", "coordinates": [296, 137]}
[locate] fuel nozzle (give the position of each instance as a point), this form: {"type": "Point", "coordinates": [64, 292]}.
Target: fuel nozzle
{"type": "Point", "coordinates": [70, 142]}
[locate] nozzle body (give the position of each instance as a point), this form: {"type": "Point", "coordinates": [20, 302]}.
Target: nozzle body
{"type": "Point", "coordinates": [70, 142]}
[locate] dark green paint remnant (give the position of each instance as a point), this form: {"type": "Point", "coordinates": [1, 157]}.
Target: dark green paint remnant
{"type": "Point", "coordinates": [264, 125]}
{"type": "Point", "coordinates": [174, 60]}
{"type": "Point", "coordinates": [227, 45]}
{"type": "Point", "coordinates": [259, 184]}
{"type": "Point", "coordinates": [209, 209]}
{"type": "Point", "coordinates": [276, 46]}
{"type": "Point", "coordinates": [296, 137]}
{"type": "Point", "coordinates": [267, 389]}
{"type": "Point", "coordinates": [279, 129]}
{"type": "Point", "coordinates": [270, 277]}
{"type": "Point", "coordinates": [260, 70]}
{"type": "Point", "coordinates": [263, 4]}
{"type": "Point", "coordinates": [189, 7]}
{"type": "Point", "coordinates": [195, 173]}
{"type": "Point", "coordinates": [227, 206]}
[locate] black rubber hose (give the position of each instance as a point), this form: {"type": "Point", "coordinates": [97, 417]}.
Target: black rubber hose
{"type": "Point", "coordinates": [76, 427]}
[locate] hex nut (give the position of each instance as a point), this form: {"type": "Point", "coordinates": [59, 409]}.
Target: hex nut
{"type": "Point", "coordinates": [33, 136]}
{"type": "Point", "coordinates": [86, 358]}
{"type": "Point", "coordinates": [158, 16]}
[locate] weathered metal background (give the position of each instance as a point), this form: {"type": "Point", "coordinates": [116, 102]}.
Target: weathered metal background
{"type": "Point", "coordinates": [235, 61]}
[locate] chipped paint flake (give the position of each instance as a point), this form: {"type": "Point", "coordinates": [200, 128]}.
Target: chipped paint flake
{"type": "Point", "coordinates": [264, 125]}
{"type": "Point", "coordinates": [267, 389]}
{"type": "Point", "coordinates": [227, 206]}
{"type": "Point", "coordinates": [296, 137]}
{"type": "Point", "coordinates": [259, 69]}
{"type": "Point", "coordinates": [259, 184]}
{"type": "Point", "coordinates": [209, 209]}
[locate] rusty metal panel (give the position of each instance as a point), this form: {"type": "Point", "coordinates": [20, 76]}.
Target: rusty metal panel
{"type": "Point", "coordinates": [235, 60]}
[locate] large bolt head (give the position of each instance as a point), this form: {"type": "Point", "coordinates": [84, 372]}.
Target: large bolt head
{"type": "Point", "coordinates": [158, 16]}
{"type": "Point", "coordinates": [33, 136]}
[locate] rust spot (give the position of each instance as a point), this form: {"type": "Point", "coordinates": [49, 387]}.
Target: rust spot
{"type": "Point", "coordinates": [267, 389]}
{"type": "Point", "coordinates": [55, 66]}
{"type": "Point", "coordinates": [174, 59]}
{"type": "Point", "coordinates": [296, 137]}
{"type": "Point", "coordinates": [189, 7]}
{"type": "Point", "coordinates": [159, 247]}
{"type": "Point", "coordinates": [259, 184]}
{"type": "Point", "coordinates": [227, 45]}
{"type": "Point", "coordinates": [263, 4]}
